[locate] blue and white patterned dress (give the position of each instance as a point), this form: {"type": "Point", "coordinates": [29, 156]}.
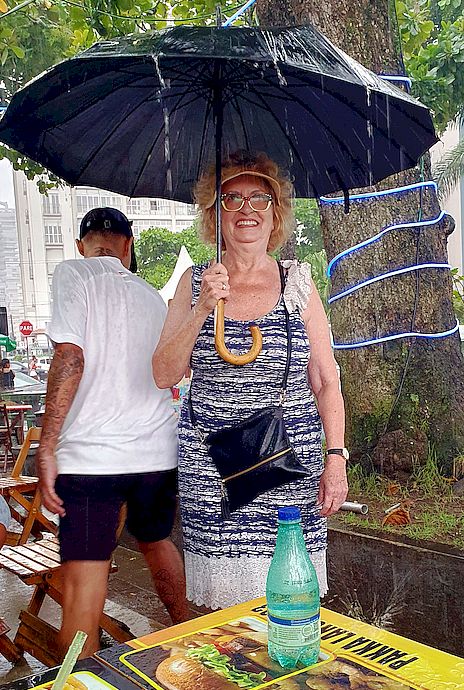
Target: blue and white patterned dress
{"type": "Point", "coordinates": [227, 561]}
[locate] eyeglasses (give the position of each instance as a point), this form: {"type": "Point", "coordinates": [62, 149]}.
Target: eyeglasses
{"type": "Point", "coordinates": [233, 201]}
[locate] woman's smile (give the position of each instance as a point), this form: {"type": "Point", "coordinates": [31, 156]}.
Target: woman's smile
{"type": "Point", "coordinates": [246, 222]}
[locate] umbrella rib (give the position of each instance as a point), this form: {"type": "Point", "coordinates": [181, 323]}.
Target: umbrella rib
{"type": "Point", "coordinates": [316, 117]}
{"type": "Point", "coordinates": [336, 96]}
{"type": "Point", "coordinates": [234, 104]}
{"type": "Point", "coordinates": [209, 105]}
{"type": "Point", "coordinates": [94, 101]}
{"type": "Point", "coordinates": [131, 82]}
{"type": "Point", "coordinates": [147, 157]}
{"type": "Point", "coordinates": [268, 110]}
{"type": "Point", "coordinates": [115, 128]}
{"type": "Point", "coordinates": [109, 135]}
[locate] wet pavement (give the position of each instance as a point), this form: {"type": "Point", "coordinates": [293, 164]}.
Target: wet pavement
{"type": "Point", "coordinates": [131, 599]}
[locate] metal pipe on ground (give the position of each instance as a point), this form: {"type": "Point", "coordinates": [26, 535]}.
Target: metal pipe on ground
{"type": "Point", "coordinates": [354, 507]}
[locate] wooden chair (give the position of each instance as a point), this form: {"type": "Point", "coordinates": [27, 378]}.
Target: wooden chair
{"type": "Point", "coordinates": [23, 492]}
{"type": "Point", "coordinates": [38, 564]}
{"type": "Point", "coordinates": [5, 436]}
{"type": "Point", "coordinates": [9, 650]}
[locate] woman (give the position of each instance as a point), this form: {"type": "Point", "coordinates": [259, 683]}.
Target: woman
{"type": "Point", "coordinates": [33, 367]}
{"type": "Point", "coordinates": [8, 375]}
{"type": "Point", "coordinates": [226, 561]}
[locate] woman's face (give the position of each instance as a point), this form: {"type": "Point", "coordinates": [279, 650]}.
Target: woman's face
{"type": "Point", "coordinates": [246, 226]}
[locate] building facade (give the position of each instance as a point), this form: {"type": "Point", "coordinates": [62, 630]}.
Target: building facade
{"type": "Point", "coordinates": [10, 270]}
{"type": "Point", "coordinates": [48, 227]}
{"type": "Point", "coordinates": [454, 202]}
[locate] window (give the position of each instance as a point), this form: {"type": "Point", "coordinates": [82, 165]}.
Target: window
{"type": "Point", "coordinates": [135, 206]}
{"type": "Point", "coordinates": [185, 209]}
{"type": "Point", "coordinates": [160, 206]}
{"type": "Point", "coordinates": [139, 226]}
{"type": "Point", "coordinates": [182, 225]}
{"type": "Point", "coordinates": [85, 202]}
{"type": "Point", "coordinates": [51, 204]}
{"type": "Point", "coordinates": [53, 234]}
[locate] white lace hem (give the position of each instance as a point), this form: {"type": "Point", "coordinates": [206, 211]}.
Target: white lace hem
{"type": "Point", "coordinates": [221, 582]}
{"type": "Point", "coordinates": [299, 285]}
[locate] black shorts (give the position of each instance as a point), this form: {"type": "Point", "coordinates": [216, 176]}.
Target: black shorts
{"type": "Point", "coordinates": [93, 503]}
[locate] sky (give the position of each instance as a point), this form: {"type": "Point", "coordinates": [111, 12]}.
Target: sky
{"type": "Point", "coordinates": [6, 183]}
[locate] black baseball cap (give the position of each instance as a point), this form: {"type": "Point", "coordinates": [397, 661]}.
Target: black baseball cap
{"type": "Point", "coordinates": [108, 219]}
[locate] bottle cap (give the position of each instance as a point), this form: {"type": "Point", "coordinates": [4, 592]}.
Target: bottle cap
{"type": "Point", "coordinates": [289, 514]}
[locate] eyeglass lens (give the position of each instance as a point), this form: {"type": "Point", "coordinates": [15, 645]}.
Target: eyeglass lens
{"type": "Point", "coordinates": [234, 202]}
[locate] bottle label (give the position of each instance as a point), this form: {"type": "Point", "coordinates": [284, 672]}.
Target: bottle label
{"type": "Point", "coordinates": [294, 633]}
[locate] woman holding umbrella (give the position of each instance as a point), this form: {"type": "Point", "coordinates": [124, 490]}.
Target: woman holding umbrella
{"type": "Point", "coordinates": [227, 556]}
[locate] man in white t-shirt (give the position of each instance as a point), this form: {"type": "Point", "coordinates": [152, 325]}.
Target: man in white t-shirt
{"type": "Point", "coordinates": [109, 434]}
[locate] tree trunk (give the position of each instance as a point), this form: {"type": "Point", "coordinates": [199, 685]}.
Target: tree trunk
{"type": "Point", "coordinates": [405, 394]}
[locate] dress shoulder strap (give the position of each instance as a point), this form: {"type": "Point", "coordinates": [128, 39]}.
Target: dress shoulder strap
{"type": "Point", "coordinates": [298, 286]}
{"type": "Point", "coordinates": [197, 272]}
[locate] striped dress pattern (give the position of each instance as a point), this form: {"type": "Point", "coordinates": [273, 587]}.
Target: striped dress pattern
{"type": "Point", "coordinates": [226, 561]}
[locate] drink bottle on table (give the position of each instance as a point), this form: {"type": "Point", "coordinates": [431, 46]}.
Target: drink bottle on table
{"type": "Point", "coordinates": [292, 593]}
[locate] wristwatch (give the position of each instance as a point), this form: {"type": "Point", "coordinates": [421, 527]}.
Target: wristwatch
{"type": "Point", "coordinates": [339, 451]}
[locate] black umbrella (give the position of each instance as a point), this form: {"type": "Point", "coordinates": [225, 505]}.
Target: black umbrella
{"type": "Point", "coordinates": [146, 114]}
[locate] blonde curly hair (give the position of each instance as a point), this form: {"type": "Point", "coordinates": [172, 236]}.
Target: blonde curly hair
{"type": "Point", "coordinates": [245, 162]}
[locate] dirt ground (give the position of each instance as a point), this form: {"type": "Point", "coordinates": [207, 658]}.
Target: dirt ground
{"type": "Point", "coordinates": [419, 514]}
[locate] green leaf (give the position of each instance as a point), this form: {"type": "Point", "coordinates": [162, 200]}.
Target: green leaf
{"type": "Point", "coordinates": [77, 14]}
{"type": "Point", "coordinates": [18, 51]}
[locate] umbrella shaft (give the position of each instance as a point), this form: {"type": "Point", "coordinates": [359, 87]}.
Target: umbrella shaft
{"type": "Point", "coordinates": [218, 111]}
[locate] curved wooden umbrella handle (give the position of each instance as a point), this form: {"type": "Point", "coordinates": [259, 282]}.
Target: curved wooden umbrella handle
{"type": "Point", "coordinates": [220, 345]}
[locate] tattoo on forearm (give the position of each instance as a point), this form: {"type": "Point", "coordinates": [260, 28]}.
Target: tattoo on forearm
{"type": "Point", "coordinates": [63, 380]}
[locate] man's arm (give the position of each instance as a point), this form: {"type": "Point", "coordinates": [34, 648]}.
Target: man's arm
{"type": "Point", "coordinates": [63, 380]}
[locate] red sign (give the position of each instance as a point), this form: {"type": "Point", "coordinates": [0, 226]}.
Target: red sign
{"type": "Point", "coordinates": [26, 328]}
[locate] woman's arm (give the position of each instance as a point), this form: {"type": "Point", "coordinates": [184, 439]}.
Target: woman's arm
{"type": "Point", "coordinates": [183, 324]}
{"type": "Point", "coordinates": [325, 384]}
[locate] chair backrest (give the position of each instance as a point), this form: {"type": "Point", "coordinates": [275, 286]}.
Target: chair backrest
{"type": "Point", "coordinates": [33, 435]}
{"type": "Point", "coordinates": [4, 419]}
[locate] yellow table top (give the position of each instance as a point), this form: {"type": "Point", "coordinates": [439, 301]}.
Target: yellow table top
{"type": "Point", "coordinates": [355, 654]}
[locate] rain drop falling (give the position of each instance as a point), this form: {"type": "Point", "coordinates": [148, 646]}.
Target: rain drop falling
{"type": "Point", "coordinates": [270, 40]}
{"type": "Point", "coordinates": [167, 149]}
{"type": "Point", "coordinates": [158, 71]}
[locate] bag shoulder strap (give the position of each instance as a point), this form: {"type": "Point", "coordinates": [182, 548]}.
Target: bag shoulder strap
{"type": "Point", "coordinates": [282, 275]}
{"type": "Point", "coordinates": [287, 328]}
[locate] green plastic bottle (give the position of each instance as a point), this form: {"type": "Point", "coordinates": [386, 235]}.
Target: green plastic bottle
{"type": "Point", "coordinates": [292, 593]}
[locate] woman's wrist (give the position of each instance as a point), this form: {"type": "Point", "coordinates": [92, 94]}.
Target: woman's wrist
{"type": "Point", "coordinates": [199, 315]}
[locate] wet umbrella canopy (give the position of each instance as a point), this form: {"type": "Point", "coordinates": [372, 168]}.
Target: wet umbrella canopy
{"type": "Point", "coordinates": [136, 115]}
{"type": "Point", "coordinates": [146, 114]}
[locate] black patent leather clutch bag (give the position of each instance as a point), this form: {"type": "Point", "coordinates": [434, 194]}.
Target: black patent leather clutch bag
{"type": "Point", "coordinates": [252, 457]}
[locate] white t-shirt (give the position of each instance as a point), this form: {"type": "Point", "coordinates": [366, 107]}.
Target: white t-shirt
{"type": "Point", "coordinates": [119, 422]}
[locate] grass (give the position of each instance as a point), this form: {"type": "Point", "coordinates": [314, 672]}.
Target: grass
{"type": "Point", "coordinates": [437, 515]}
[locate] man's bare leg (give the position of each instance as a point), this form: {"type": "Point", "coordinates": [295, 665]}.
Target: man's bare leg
{"type": "Point", "coordinates": [167, 570]}
{"type": "Point", "coordinates": [85, 585]}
